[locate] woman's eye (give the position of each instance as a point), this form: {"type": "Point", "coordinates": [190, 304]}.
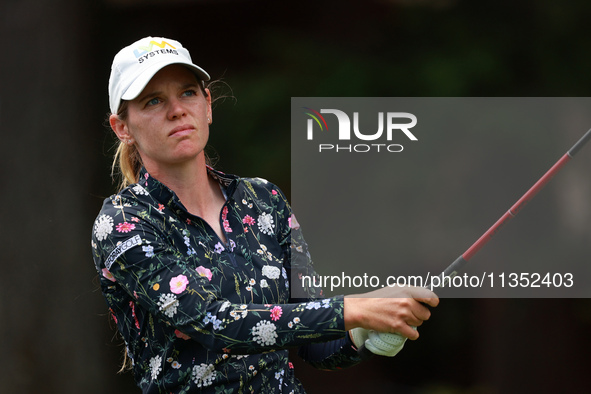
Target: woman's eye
{"type": "Point", "coordinates": [190, 93]}
{"type": "Point", "coordinates": [154, 101]}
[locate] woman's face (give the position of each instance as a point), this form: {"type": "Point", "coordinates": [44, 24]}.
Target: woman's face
{"type": "Point", "coordinates": [169, 121]}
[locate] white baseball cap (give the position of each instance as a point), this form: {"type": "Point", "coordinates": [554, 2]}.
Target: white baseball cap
{"type": "Point", "coordinates": [135, 65]}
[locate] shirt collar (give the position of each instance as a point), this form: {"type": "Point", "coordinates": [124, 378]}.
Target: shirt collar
{"type": "Point", "coordinates": [167, 197]}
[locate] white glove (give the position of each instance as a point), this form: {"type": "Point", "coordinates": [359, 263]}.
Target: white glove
{"type": "Point", "coordinates": [380, 343]}
{"type": "Point", "coordinates": [384, 344]}
{"type": "Point", "coordinates": [359, 336]}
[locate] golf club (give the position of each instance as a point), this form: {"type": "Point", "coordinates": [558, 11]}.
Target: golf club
{"type": "Point", "coordinates": [395, 340]}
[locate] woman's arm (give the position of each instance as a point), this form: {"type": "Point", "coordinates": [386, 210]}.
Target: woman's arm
{"type": "Point", "coordinates": [165, 288]}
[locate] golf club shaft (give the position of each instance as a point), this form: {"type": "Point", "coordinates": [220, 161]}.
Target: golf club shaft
{"type": "Point", "coordinates": [461, 261]}
{"type": "Point", "coordinates": [454, 268]}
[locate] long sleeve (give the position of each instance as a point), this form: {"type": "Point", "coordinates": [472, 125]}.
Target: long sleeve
{"type": "Point", "coordinates": [189, 305]}
{"type": "Point", "coordinates": [200, 294]}
{"type": "Point", "coordinates": [332, 355]}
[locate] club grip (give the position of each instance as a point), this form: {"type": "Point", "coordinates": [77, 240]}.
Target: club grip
{"type": "Point", "coordinates": [385, 344]}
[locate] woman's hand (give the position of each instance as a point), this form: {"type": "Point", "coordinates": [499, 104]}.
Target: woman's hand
{"type": "Point", "coordinates": [391, 310]}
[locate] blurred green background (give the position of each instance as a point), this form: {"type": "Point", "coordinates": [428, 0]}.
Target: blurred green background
{"type": "Point", "coordinates": [55, 165]}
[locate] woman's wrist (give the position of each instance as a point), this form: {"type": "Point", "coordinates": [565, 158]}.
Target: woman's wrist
{"type": "Point", "coordinates": [351, 313]}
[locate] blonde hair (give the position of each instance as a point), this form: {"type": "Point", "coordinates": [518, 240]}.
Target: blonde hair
{"type": "Point", "coordinates": [127, 159]}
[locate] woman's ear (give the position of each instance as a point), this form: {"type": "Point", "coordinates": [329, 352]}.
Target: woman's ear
{"type": "Point", "coordinates": [120, 128]}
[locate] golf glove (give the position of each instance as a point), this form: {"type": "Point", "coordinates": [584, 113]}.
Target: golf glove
{"type": "Point", "coordinates": [359, 336]}
{"type": "Point", "coordinates": [384, 344]}
{"type": "Point", "coordinates": [380, 343]}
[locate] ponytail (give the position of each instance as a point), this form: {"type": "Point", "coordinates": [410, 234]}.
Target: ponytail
{"type": "Point", "coordinates": [129, 163]}
{"type": "Point", "coordinates": [127, 159]}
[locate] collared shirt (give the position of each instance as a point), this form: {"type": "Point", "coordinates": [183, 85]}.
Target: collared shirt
{"type": "Point", "coordinates": [198, 313]}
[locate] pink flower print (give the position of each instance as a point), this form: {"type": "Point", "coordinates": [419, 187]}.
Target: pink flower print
{"type": "Point", "coordinates": [107, 274]}
{"type": "Point", "coordinates": [113, 315]}
{"type": "Point", "coordinates": [137, 323]}
{"type": "Point", "coordinates": [181, 335]}
{"type": "Point", "coordinates": [225, 221]}
{"type": "Point", "coordinates": [293, 222]}
{"type": "Point", "coordinates": [160, 208]}
{"type": "Point", "coordinates": [135, 219]}
{"type": "Point", "coordinates": [125, 227]}
{"type": "Point", "coordinates": [178, 284]}
{"type": "Point", "coordinates": [248, 220]}
{"type": "Point", "coordinates": [274, 192]}
{"type": "Point", "coordinates": [206, 272]}
{"type": "Point", "coordinates": [276, 313]}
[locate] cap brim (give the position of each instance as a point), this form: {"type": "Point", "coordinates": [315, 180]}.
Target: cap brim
{"type": "Point", "coordinates": [140, 82]}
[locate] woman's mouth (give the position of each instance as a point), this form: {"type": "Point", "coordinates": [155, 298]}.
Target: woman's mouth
{"type": "Point", "coordinates": [181, 131]}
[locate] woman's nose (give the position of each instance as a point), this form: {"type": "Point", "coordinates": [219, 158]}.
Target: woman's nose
{"type": "Point", "coordinates": [175, 109]}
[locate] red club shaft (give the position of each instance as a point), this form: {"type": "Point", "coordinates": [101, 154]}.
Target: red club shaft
{"type": "Point", "coordinates": [518, 206]}
{"type": "Point", "coordinates": [459, 263]}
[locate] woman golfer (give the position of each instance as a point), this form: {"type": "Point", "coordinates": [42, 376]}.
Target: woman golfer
{"type": "Point", "coordinates": [196, 265]}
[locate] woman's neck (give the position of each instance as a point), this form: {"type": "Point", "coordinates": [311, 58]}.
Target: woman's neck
{"type": "Point", "coordinates": [198, 192]}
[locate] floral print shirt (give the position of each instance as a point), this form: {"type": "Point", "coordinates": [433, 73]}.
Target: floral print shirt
{"type": "Point", "coordinates": [199, 314]}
